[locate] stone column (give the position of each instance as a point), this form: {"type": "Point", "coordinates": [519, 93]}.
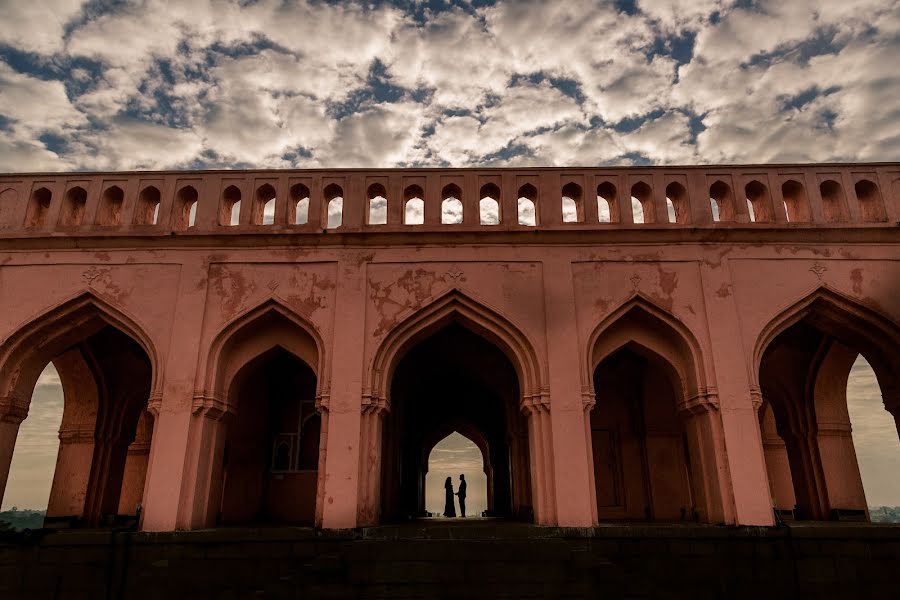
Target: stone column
{"type": "Point", "coordinates": [742, 466]}
{"type": "Point", "coordinates": [72, 472]}
{"type": "Point", "coordinates": [371, 427]}
{"type": "Point", "coordinates": [341, 492]}
{"type": "Point", "coordinates": [706, 448]}
{"type": "Point", "coordinates": [168, 492]}
{"type": "Point", "coordinates": [572, 465]}
{"type": "Point", "coordinates": [132, 493]}
{"type": "Point", "coordinates": [11, 416]}
{"type": "Point", "coordinates": [540, 445]}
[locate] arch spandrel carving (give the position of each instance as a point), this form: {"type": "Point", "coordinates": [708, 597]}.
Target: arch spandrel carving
{"type": "Point", "coordinates": [25, 352]}
{"type": "Point", "coordinates": [432, 315]}
{"type": "Point", "coordinates": [258, 330]}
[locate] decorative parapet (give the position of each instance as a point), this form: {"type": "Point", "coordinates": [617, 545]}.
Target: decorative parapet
{"type": "Point", "coordinates": [208, 202]}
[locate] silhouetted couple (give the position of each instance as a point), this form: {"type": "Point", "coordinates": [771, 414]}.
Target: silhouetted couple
{"type": "Point", "coordinates": [449, 504]}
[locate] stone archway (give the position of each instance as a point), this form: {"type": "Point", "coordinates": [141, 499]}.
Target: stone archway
{"type": "Point", "coordinates": [106, 366]}
{"type": "Point", "coordinates": [655, 431]}
{"type": "Point", "coordinates": [261, 388]}
{"type": "Point", "coordinates": [453, 379]}
{"type": "Point", "coordinates": [803, 361]}
{"type": "Point", "coordinates": [514, 416]}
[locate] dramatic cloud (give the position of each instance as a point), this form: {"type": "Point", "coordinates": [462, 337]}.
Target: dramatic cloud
{"type": "Point", "coordinates": [214, 83]}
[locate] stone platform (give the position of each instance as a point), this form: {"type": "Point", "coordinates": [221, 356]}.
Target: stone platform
{"type": "Point", "coordinates": [483, 559]}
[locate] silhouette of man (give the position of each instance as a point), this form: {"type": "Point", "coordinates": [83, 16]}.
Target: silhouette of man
{"type": "Point", "coordinates": [462, 495]}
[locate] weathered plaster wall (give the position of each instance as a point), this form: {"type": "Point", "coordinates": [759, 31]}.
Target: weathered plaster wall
{"type": "Point", "coordinates": [721, 284]}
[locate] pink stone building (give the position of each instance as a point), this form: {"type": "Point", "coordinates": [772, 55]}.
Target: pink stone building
{"type": "Point", "coordinates": [299, 365]}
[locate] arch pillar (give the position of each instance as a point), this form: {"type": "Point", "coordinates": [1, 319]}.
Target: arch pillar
{"type": "Point", "coordinates": [371, 425]}
{"type": "Point", "coordinates": [12, 414]}
{"type": "Point", "coordinates": [574, 504]}
{"type": "Point", "coordinates": [540, 443]}
{"type": "Point", "coordinates": [706, 448]}
{"type": "Point", "coordinates": [131, 497]}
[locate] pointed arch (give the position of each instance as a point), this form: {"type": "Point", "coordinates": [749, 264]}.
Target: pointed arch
{"type": "Point", "coordinates": [251, 334]}
{"type": "Point", "coordinates": [657, 331]}
{"type": "Point", "coordinates": [852, 323]}
{"type": "Point", "coordinates": [25, 353]}
{"type": "Point", "coordinates": [467, 430]}
{"type": "Point", "coordinates": [455, 306]}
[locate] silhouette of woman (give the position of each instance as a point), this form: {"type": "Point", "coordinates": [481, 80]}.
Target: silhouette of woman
{"type": "Point", "coordinates": [449, 504]}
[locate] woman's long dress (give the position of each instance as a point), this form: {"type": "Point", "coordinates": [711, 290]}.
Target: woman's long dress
{"type": "Point", "coordinates": [449, 502]}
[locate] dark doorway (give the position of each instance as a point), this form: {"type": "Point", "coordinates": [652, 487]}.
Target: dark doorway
{"type": "Point", "coordinates": [641, 466]}
{"type": "Point", "coordinates": [272, 443]}
{"type": "Point", "coordinates": [454, 380]}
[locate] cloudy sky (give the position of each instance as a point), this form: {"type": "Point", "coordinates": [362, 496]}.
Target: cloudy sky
{"type": "Point", "coordinates": [113, 84]}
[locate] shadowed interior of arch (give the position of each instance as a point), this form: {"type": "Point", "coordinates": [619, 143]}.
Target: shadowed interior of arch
{"type": "Point", "coordinates": [454, 380]}
{"type": "Point", "coordinates": [102, 387]}
{"type": "Point", "coordinates": [820, 378]}
{"type": "Point", "coordinates": [270, 455]}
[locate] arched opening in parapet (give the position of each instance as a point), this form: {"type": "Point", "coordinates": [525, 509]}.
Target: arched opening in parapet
{"type": "Point", "coordinates": [264, 206]}
{"type": "Point", "coordinates": [572, 203]}
{"type": "Point", "coordinates": [451, 205]}
{"type": "Point", "coordinates": [759, 204]}
{"type": "Point", "coordinates": [38, 208]}
{"type": "Point", "coordinates": [378, 204]}
{"type": "Point", "coordinates": [82, 451]}
{"type": "Point", "coordinates": [721, 201]}
{"type": "Point", "coordinates": [230, 214]}
{"type": "Point", "coordinates": [834, 204]}
{"type": "Point", "coordinates": [111, 203]}
{"type": "Point", "coordinates": [413, 205]}
{"type": "Point", "coordinates": [271, 450]}
{"type": "Point", "coordinates": [871, 204]}
{"type": "Point", "coordinates": [454, 380]}
{"type": "Point", "coordinates": [650, 455]}
{"type": "Point", "coordinates": [796, 204]}
{"type": "Point", "coordinates": [827, 372]}
{"type": "Point", "coordinates": [677, 203]}
{"type": "Point", "coordinates": [299, 209]}
{"type": "Point", "coordinates": [642, 203]}
{"type": "Point", "coordinates": [185, 208]}
{"type": "Point", "coordinates": [489, 205]}
{"type": "Point", "coordinates": [607, 203]}
{"type": "Point", "coordinates": [72, 213]}
{"type": "Point", "coordinates": [147, 211]}
{"type": "Point", "coordinates": [458, 454]}
{"type": "Point", "coordinates": [527, 205]}
{"type": "Point", "coordinates": [334, 206]}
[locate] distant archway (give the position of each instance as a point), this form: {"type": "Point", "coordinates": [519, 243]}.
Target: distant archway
{"type": "Point", "coordinates": [462, 451]}
{"type": "Point", "coordinates": [106, 367]}
{"type": "Point", "coordinates": [803, 361]}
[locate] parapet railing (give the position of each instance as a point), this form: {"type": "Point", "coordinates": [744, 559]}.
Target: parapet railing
{"type": "Point", "coordinates": [358, 200]}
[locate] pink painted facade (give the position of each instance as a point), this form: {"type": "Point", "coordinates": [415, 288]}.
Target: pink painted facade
{"type": "Point", "coordinates": [290, 372]}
